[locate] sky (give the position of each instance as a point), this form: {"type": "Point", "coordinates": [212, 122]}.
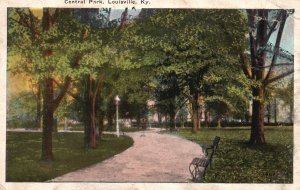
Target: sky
{"type": "Point", "coordinates": [287, 41]}
{"type": "Point", "coordinates": [116, 13]}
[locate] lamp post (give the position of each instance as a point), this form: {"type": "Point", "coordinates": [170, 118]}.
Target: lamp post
{"type": "Point", "coordinates": [117, 99]}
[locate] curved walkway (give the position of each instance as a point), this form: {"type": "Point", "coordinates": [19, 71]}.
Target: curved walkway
{"type": "Point", "coordinates": [154, 157]}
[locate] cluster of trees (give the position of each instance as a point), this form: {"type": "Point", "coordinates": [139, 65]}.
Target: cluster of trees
{"type": "Point", "coordinates": [180, 58]}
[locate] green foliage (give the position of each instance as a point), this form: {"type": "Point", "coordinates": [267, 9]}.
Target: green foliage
{"type": "Point", "coordinates": [65, 43]}
{"type": "Point", "coordinates": [126, 129]}
{"type": "Point", "coordinates": [200, 48]}
{"type": "Point", "coordinates": [21, 110]}
{"type": "Point", "coordinates": [286, 93]}
{"type": "Point", "coordinates": [237, 162]}
{"type": "Point", "coordinates": [23, 154]}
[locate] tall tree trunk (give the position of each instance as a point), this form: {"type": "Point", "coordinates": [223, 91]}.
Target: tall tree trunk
{"type": "Point", "coordinates": [48, 121]}
{"type": "Point", "coordinates": [195, 120]}
{"type": "Point", "coordinates": [219, 121]}
{"type": "Point", "coordinates": [181, 120]}
{"type": "Point", "coordinates": [206, 114]}
{"type": "Point", "coordinates": [172, 118]}
{"type": "Point", "coordinates": [258, 59]}
{"type": "Point", "coordinates": [200, 117]}
{"type": "Point", "coordinates": [101, 125]}
{"type": "Point", "coordinates": [291, 113]}
{"type": "Point", "coordinates": [138, 121]}
{"type": "Point", "coordinates": [275, 111]}
{"type": "Point", "coordinates": [92, 123]}
{"type": "Point", "coordinates": [90, 119]}
{"type": "Point", "coordinates": [259, 34]}
{"type": "Point", "coordinates": [38, 120]}
{"type": "Point", "coordinates": [48, 99]}
{"type": "Point", "coordinates": [257, 127]}
{"type": "Point", "coordinates": [195, 112]}
{"type": "Point", "coordinates": [144, 126]}
{"type": "Point", "coordinates": [159, 119]}
{"type": "Point", "coordinates": [269, 112]}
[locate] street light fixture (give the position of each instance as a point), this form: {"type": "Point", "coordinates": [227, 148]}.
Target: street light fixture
{"type": "Point", "coordinates": [117, 99]}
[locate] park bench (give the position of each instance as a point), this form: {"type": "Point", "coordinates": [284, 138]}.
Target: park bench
{"type": "Point", "coordinates": [199, 165]}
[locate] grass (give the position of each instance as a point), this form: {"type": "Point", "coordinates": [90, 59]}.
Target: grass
{"type": "Point", "coordinates": [80, 127]}
{"type": "Point", "coordinates": [126, 129]}
{"type": "Point", "coordinates": [238, 162]}
{"type": "Point", "coordinates": [24, 150]}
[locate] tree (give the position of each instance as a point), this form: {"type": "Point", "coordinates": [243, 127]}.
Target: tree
{"type": "Point", "coordinates": [190, 43]}
{"type": "Point", "coordinates": [263, 24]}
{"type": "Point", "coordinates": [51, 48]}
{"type": "Point", "coordinates": [88, 76]}
{"type": "Point", "coordinates": [135, 87]}
{"type": "Point", "coordinates": [35, 32]}
{"type": "Point", "coordinates": [167, 95]}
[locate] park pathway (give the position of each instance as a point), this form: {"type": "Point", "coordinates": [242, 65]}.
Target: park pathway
{"type": "Point", "coordinates": [154, 157]}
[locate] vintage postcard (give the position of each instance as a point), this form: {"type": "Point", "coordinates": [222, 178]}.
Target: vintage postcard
{"type": "Point", "coordinates": [144, 94]}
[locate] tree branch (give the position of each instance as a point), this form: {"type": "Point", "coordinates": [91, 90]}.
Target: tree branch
{"type": "Point", "coordinates": [253, 49]}
{"type": "Point", "coordinates": [276, 65]}
{"type": "Point", "coordinates": [99, 83]}
{"type": "Point", "coordinates": [245, 66]}
{"type": "Point", "coordinates": [272, 29]}
{"type": "Point", "coordinates": [277, 46]}
{"type": "Point", "coordinates": [187, 96]}
{"type": "Point", "coordinates": [26, 21]}
{"type": "Point", "coordinates": [278, 77]}
{"type": "Point", "coordinates": [76, 97]}
{"type": "Point", "coordinates": [65, 88]}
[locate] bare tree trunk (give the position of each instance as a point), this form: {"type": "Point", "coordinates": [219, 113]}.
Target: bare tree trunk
{"type": "Point", "coordinates": [275, 111]}
{"type": "Point", "coordinates": [206, 113]}
{"type": "Point", "coordinates": [195, 112]}
{"type": "Point", "coordinates": [138, 121]}
{"type": "Point", "coordinates": [90, 111]}
{"type": "Point", "coordinates": [48, 98]}
{"type": "Point", "coordinates": [159, 119]}
{"type": "Point", "coordinates": [181, 121]}
{"type": "Point", "coordinates": [257, 127]}
{"type": "Point", "coordinates": [200, 117]}
{"type": "Point", "coordinates": [219, 121]}
{"type": "Point", "coordinates": [38, 120]}
{"type": "Point", "coordinates": [48, 112]}
{"type": "Point", "coordinates": [172, 120]}
{"type": "Point", "coordinates": [195, 119]}
{"type": "Point", "coordinates": [291, 113]}
{"type": "Point", "coordinates": [269, 112]}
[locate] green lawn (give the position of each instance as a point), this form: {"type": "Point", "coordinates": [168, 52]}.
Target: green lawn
{"type": "Point", "coordinates": [126, 129]}
{"type": "Point", "coordinates": [237, 162]}
{"type": "Point", "coordinates": [24, 150]}
{"type": "Point", "coordinates": [80, 127]}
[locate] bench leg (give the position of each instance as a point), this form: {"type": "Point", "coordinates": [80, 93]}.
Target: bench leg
{"type": "Point", "coordinates": [197, 174]}
{"type": "Point", "coordinates": [193, 169]}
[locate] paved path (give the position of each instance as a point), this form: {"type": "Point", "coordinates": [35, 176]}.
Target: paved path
{"type": "Point", "coordinates": [154, 157]}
